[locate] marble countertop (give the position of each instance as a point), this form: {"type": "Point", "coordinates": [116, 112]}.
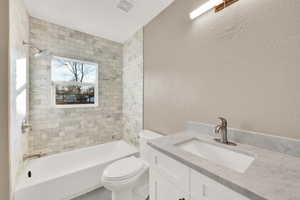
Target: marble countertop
{"type": "Point", "coordinates": [271, 176]}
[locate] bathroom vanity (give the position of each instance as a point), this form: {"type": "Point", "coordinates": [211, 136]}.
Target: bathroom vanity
{"type": "Point", "coordinates": [191, 166]}
{"type": "Point", "coordinates": [170, 179]}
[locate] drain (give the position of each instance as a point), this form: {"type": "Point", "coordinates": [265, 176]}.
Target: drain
{"type": "Point", "coordinates": [29, 174]}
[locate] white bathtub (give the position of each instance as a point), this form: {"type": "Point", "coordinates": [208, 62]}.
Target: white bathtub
{"type": "Point", "coordinates": [67, 175]}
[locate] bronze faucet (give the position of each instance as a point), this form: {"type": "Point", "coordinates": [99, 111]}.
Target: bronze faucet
{"type": "Point", "coordinates": [222, 130]}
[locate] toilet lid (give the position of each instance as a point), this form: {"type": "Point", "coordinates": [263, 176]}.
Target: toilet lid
{"type": "Point", "coordinates": [123, 169]}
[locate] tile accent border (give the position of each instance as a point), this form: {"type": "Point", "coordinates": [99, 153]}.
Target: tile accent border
{"type": "Point", "coordinates": [133, 68]}
{"type": "Point", "coordinates": [273, 143]}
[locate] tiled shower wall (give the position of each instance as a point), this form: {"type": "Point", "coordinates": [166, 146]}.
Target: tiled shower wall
{"type": "Point", "coordinates": [55, 129]}
{"type": "Point", "coordinates": [133, 87]}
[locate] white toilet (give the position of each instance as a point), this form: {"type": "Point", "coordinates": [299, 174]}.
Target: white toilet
{"type": "Point", "coordinates": [128, 178]}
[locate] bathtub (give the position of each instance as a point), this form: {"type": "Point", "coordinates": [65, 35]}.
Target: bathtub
{"type": "Point", "coordinates": [67, 175]}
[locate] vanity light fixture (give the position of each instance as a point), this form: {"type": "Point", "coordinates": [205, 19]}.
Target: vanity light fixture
{"type": "Point", "coordinates": [205, 8]}
{"type": "Point", "coordinates": [218, 5]}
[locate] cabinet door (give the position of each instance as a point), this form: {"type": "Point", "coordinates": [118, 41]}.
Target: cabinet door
{"type": "Point", "coordinates": [204, 188]}
{"type": "Point", "coordinates": [172, 170]}
{"type": "Point", "coordinates": [163, 189]}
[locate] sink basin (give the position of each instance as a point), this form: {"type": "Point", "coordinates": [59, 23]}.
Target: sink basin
{"type": "Point", "coordinates": [221, 156]}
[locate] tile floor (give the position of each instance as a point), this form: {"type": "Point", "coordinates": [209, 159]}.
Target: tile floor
{"type": "Point", "coordinates": [99, 194]}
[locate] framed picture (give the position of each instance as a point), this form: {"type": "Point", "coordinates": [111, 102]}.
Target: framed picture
{"type": "Point", "coordinates": [74, 83]}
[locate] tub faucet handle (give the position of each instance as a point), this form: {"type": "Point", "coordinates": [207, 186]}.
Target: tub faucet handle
{"type": "Point", "coordinates": [26, 126]}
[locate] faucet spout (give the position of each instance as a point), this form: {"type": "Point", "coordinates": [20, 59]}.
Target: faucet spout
{"type": "Point", "coordinates": [217, 129]}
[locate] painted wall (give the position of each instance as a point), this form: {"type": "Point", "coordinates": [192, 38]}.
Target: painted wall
{"type": "Point", "coordinates": [4, 95]}
{"type": "Point", "coordinates": [133, 87]}
{"type": "Point", "coordinates": [241, 63]}
{"type": "Point", "coordinates": [56, 130]}
{"type": "Point", "coordinates": [19, 60]}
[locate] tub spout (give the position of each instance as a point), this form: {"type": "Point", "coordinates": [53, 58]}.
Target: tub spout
{"type": "Point", "coordinates": [35, 155]}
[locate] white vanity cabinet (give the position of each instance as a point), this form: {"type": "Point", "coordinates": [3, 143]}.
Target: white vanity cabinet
{"type": "Point", "coordinates": [172, 180]}
{"type": "Point", "coordinates": [169, 179]}
{"type": "Point", "coordinates": [162, 188]}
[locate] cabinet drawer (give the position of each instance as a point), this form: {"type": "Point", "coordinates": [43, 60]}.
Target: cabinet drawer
{"type": "Point", "coordinates": [204, 188]}
{"type": "Point", "coordinates": [172, 170]}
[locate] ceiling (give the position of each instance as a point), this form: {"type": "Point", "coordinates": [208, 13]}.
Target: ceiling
{"type": "Point", "coordinates": [98, 17]}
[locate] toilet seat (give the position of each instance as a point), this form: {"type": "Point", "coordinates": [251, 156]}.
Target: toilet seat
{"type": "Point", "coordinates": [124, 169]}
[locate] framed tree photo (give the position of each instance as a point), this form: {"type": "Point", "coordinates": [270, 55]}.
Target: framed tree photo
{"type": "Point", "coordinates": [74, 83]}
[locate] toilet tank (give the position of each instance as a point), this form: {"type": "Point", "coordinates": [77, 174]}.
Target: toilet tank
{"type": "Point", "coordinates": [144, 137]}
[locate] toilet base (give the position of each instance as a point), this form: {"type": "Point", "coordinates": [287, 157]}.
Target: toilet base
{"type": "Point", "coordinates": [122, 195]}
{"type": "Point", "coordinates": [126, 195]}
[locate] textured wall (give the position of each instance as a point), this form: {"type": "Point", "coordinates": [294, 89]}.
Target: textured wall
{"type": "Point", "coordinates": [133, 87]}
{"type": "Point", "coordinates": [56, 130]}
{"type": "Point", "coordinates": [4, 93]}
{"type": "Point", "coordinates": [241, 63]}
{"type": "Point", "coordinates": [19, 32]}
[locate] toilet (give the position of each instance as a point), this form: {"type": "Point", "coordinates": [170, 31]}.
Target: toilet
{"type": "Point", "coordinates": [127, 178]}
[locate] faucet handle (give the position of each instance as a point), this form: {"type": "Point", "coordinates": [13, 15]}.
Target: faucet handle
{"type": "Point", "coordinates": [223, 121]}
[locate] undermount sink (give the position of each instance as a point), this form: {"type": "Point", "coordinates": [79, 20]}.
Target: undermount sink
{"type": "Point", "coordinates": [221, 156]}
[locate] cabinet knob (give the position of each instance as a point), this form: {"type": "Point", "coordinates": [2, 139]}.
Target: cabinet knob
{"type": "Point", "coordinates": [181, 199]}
